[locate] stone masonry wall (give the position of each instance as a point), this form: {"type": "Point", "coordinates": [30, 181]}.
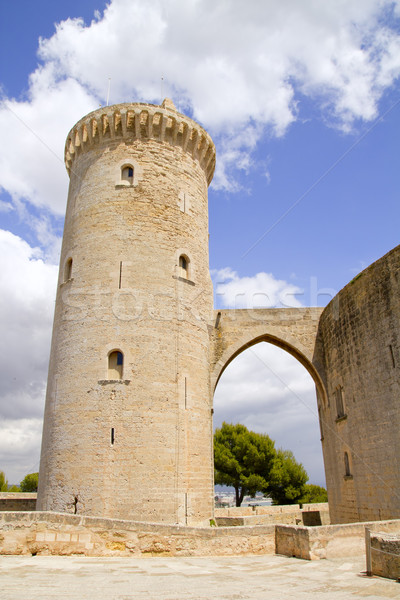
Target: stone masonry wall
{"type": "Point", "coordinates": [137, 446]}
{"type": "Point", "coordinates": [385, 554]}
{"type": "Point", "coordinates": [44, 533]}
{"type": "Point", "coordinates": [10, 501]}
{"type": "Point", "coordinates": [359, 347]}
{"type": "Point", "coordinates": [309, 515]}
{"type": "Point", "coordinates": [61, 534]}
{"type": "Point", "coordinates": [331, 541]}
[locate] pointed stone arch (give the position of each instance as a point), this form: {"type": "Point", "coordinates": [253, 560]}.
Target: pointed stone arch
{"type": "Point", "coordinates": [293, 330]}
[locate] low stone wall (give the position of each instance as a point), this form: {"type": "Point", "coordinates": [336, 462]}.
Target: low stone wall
{"type": "Point", "coordinates": [332, 541]}
{"type": "Point", "coordinates": [385, 554]}
{"type": "Point", "coordinates": [65, 534]}
{"type": "Point", "coordinates": [16, 501]}
{"type": "Point", "coordinates": [310, 515]}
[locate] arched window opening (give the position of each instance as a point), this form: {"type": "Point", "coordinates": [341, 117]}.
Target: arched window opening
{"type": "Point", "coordinates": [115, 364]}
{"type": "Point", "coordinates": [127, 174]}
{"type": "Point", "coordinates": [270, 392]}
{"type": "Point", "coordinates": [184, 263]}
{"type": "Point", "coordinates": [68, 270]}
{"type": "Point", "coordinates": [347, 465]}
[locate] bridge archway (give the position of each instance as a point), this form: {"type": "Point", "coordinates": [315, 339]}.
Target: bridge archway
{"type": "Point", "coordinates": [293, 330]}
{"type": "Point", "coordinates": [267, 389]}
{"type": "Point", "coordinates": [287, 343]}
{"type": "Point", "coordinates": [250, 400]}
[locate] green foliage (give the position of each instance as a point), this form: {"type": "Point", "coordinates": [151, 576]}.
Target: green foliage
{"type": "Point", "coordinates": [30, 483]}
{"type": "Point", "coordinates": [313, 493]}
{"type": "Point", "coordinates": [4, 487]}
{"type": "Point", "coordinates": [288, 479]}
{"type": "Point", "coordinates": [3, 482]}
{"type": "Point", "coordinates": [242, 459]}
{"type": "Point", "coordinates": [249, 462]}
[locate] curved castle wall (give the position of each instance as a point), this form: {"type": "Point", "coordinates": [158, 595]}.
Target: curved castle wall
{"type": "Point", "coordinates": [127, 429]}
{"type": "Point", "coordinates": [360, 352]}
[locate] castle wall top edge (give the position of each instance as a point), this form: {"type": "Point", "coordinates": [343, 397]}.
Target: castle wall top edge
{"type": "Point", "coordinates": [358, 279]}
{"type": "Point", "coordinates": [139, 120]}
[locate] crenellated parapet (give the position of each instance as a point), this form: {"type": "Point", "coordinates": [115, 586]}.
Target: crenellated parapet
{"type": "Point", "coordinates": [141, 121]}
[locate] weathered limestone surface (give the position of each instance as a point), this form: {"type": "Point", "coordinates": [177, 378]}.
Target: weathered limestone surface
{"type": "Point", "coordinates": [360, 352]}
{"type": "Point", "coordinates": [385, 554]}
{"type": "Point", "coordinates": [247, 511]}
{"type": "Point", "coordinates": [62, 534]}
{"type": "Point", "coordinates": [331, 541]}
{"type": "Point", "coordinates": [13, 501]}
{"type": "Point", "coordinates": [139, 446]}
{"type": "Point", "coordinates": [309, 514]}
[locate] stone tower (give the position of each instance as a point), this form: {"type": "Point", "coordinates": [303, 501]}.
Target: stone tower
{"type": "Point", "coordinates": [128, 425]}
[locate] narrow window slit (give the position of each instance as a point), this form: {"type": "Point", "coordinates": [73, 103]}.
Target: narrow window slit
{"type": "Point", "coordinates": [347, 465]}
{"type": "Point", "coordinates": [392, 355]}
{"type": "Point", "coordinates": [185, 392]}
{"type": "Point", "coordinates": [112, 436]}
{"type": "Point", "coordinates": [68, 270]}
{"type": "Point", "coordinates": [186, 507]}
{"type": "Point", "coordinates": [339, 402]}
{"type": "Point", "coordinates": [120, 275]}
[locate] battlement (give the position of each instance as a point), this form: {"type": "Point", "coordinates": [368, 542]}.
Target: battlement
{"type": "Point", "coordinates": [140, 121]}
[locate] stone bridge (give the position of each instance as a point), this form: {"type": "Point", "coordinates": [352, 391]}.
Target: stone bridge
{"type": "Point", "coordinates": [292, 329]}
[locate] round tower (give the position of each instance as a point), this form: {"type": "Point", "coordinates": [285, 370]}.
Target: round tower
{"type": "Point", "coordinates": [128, 427]}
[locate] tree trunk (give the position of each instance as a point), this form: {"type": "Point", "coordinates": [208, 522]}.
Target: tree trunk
{"type": "Point", "coordinates": [239, 493]}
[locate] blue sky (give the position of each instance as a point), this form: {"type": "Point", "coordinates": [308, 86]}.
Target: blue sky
{"type": "Point", "coordinates": [303, 103]}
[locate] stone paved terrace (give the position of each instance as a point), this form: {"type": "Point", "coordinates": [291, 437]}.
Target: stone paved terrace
{"type": "Point", "coordinates": [160, 578]}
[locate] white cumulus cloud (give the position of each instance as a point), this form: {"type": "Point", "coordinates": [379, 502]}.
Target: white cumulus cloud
{"type": "Point", "coordinates": [20, 448]}
{"type": "Point", "coordinates": [262, 290]}
{"type": "Point", "coordinates": [27, 290]}
{"type": "Point", "coordinates": [32, 162]}
{"type": "Point", "coordinates": [241, 69]}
